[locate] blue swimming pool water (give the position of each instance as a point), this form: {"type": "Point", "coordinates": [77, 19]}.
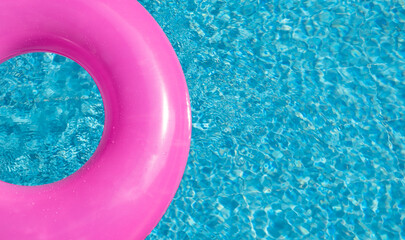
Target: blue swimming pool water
{"type": "Point", "coordinates": [51, 118]}
{"type": "Point", "coordinates": [298, 119]}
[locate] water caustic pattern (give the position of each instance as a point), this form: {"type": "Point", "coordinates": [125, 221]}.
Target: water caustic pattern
{"type": "Point", "coordinates": [298, 119]}
{"type": "Point", "coordinates": [51, 118]}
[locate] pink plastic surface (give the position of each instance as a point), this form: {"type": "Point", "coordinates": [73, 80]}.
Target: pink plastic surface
{"type": "Point", "coordinates": [125, 188]}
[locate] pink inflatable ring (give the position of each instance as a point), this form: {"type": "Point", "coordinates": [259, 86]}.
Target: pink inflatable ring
{"type": "Point", "coordinates": [127, 185]}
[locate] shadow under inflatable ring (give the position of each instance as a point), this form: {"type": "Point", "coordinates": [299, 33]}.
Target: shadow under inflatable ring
{"type": "Point", "coordinates": [127, 185]}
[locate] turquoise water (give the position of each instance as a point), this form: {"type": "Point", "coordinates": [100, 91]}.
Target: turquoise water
{"type": "Point", "coordinates": [298, 119]}
{"type": "Point", "coordinates": [51, 118]}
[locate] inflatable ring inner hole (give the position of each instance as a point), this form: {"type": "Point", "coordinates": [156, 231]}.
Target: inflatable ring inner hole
{"type": "Point", "coordinates": [51, 118]}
